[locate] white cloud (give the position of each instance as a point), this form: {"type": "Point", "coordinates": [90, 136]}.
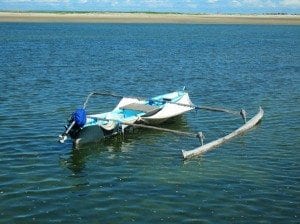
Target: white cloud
{"type": "Point", "coordinates": [157, 3]}
{"type": "Point", "coordinates": [290, 3]}
{"type": "Point", "coordinates": [190, 3]}
{"type": "Point", "coordinates": [253, 3]}
{"type": "Point", "coordinates": [236, 3]}
{"type": "Point", "coordinates": [114, 2]}
{"type": "Point", "coordinates": [212, 1]}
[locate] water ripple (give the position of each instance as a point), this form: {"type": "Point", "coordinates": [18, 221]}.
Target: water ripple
{"type": "Point", "coordinates": [48, 69]}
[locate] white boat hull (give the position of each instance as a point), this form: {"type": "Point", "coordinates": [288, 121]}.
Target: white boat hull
{"type": "Point", "coordinates": [170, 110]}
{"type": "Point", "coordinates": [132, 111]}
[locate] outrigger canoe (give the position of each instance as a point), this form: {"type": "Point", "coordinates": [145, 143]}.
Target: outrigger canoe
{"type": "Point", "coordinates": [143, 113]}
{"type": "Point", "coordinates": [85, 128]}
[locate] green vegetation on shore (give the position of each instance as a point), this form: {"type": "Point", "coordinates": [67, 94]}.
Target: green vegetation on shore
{"type": "Point", "coordinates": [138, 12]}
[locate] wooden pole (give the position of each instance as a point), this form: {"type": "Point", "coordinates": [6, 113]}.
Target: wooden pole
{"type": "Point", "coordinates": [151, 127]}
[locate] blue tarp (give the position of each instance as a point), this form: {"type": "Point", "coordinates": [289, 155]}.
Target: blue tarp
{"type": "Point", "coordinates": [79, 116]}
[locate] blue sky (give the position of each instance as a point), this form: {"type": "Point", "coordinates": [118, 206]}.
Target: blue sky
{"type": "Point", "coordinates": [190, 6]}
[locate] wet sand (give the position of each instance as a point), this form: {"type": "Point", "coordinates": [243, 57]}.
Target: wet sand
{"type": "Point", "coordinates": [148, 18]}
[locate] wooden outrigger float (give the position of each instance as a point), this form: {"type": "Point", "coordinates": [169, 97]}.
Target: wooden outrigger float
{"type": "Point", "coordinates": [211, 145]}
{"type": "Point", "coordinates": [144, 113]}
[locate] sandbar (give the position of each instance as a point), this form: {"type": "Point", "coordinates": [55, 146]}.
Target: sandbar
{"type": "Point", "coordinates": [109, 17]}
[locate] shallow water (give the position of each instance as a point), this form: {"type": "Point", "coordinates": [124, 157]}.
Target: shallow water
{"type": "Point", "coordinates": [46, 72]}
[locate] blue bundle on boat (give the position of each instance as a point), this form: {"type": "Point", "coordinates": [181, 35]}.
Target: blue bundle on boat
{"type": "Point", "coordinates": [79, 116]}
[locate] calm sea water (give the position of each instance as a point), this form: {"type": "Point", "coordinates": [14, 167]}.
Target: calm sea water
{"type": "Point", "coordinates": [47, 70]}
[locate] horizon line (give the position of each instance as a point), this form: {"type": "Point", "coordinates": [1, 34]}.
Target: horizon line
{"type": "Point", "coordinates": [146, 12]}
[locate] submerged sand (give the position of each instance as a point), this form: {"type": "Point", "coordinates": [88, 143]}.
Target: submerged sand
{"type": "Point", "coordinates": [148, 18]}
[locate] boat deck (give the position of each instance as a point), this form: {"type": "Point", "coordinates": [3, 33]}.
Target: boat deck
{"type": "Point", "coordinates": [140, 107]}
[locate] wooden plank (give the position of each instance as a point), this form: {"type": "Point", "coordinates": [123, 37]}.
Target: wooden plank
{"type": "Point", "coordinates": [140, 107]}
{"type": "Point", "coordinates": [209, 146]}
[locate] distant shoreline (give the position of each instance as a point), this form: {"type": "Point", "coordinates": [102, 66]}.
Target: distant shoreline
{"type": "Point", "coordinates": [136, 17]}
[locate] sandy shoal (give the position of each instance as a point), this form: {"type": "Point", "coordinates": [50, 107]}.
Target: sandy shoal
{"type": "Point", "coordinates": [148, 18]}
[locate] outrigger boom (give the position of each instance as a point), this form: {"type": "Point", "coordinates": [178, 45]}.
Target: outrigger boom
{"type": "Point", "coordinates": [141, 113]}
